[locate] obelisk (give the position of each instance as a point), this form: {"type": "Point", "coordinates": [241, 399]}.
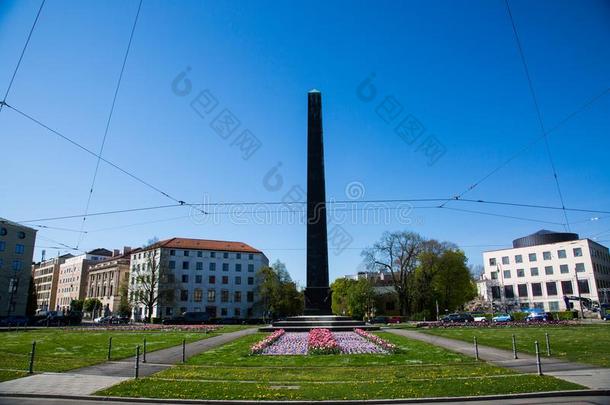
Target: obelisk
{"type": "Point", "coordinates": [317, 293]}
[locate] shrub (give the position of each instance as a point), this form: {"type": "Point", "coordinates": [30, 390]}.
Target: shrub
{"type": "Point", "coordinates": [565, 315]}
{"type": "Point", "coordinates": [519, 316]}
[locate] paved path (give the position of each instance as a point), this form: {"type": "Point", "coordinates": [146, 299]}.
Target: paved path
{"type": "Point", "coordinates": [87, 380]}
{"type": "Point", "coordinates": [583, 374]}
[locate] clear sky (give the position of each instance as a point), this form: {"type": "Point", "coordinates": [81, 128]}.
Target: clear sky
{"type": "Point", "coordinates": [453, 65]}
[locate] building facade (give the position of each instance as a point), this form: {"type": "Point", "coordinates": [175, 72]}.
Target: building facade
{"type": "Point", "coordinates": [45, 274]}
{"type": "Point", "coordinates": [196, 275]}
{"type": "Point", "coordinates": [16, 252]}
{"type": "Point", "coordinates": [73, 276]}
{"type": "Point", "coordinates": [547, 270]}
{"type": "Point", "coordinates": [107, 277]}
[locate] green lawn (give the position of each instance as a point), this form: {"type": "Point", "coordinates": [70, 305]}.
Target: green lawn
{"type": "Point", "coordinates": [59, 349]}
{"type": "Point", "coordinates": [418, 370]}
{"type": "Point", "coordinates": [11, 374]}
{"type": "Point", "coordinates": [582, 343]}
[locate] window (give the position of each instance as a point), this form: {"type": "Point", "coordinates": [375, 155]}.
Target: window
{"type": "Point", "coordinates": [2, 245]}
{"type": "Point", "coordinates": [225, 255]}
{"type": "Point", "coordinates": [506, 273]}
{"type": "Point", "coordinates": [250, 296]}
{"type": "Point", "coordinates": [21, 235]}
{"type": "Point", "coordinates": [223, 312]}
{"type": "Point", "coordinates": [250, 256]}
{"type": "Point", "coordinates": [553, 306]}
{"type": "Point", "coordinates": [534, 271]}
{"type": "Point", "coordinates": [509, 292]}
{"type": "Point", "coordinates": [237, 296]}
{"type": "Point", "coordinates": [172, 264]}
{"type": "Point", "coordinates": [184, 295]}
{"type": "Point", "coordinates": [505, 260]}
{"type": "Point", "coordinates": [561, 253]}
{"type": "Point", "coordinates": [185, 278]}
{"type": "Point", "coordinates": [212, 280]}
{"type": "Point", "coordinates": [19, 249]}
{"type": "Point", "coordinates": [212, 254]}
{"type": "Point", "coordinates": [492, 261]}
{"type": "Point", "coordinates": [536, 289]}
{"type": "Point", "coordinates": [250, 280]}
{"type": "Point", "coordinates": [211, 295]}
{"type": "Point", "coordinates": [197, 295]}
{"type": "Point", "coordinates": [17, 265]}
{"type": "Point", "coordinates": [199, 266]}
{"type": "Point", "coordinates": [3, 231]}
{"type": "Point", "coordinates": [495, 292]}
{"type": "Point", "coordinates": [563, 268]}
{"type": "Point", "coordinates": [250, 268]}
{"type": "Point", "coordinates": [237, 280]}
{"type": "Point", "coordinates": [225, 279]}
{"type": "Point", "coordinates": [546, 255]}
{"type": "Point", "coordinates": [237, 312]}
{"type": "Point", "coordinates": [198, 279]}
{"type": "Point", "coordinates": [186, 253]}
{"type": "Point", "coordinates": [580, 267]}
{"type": "Point", "coordinates": [185, 265]}
{"type": "Point", "coordinates": [238, 255]}
{"type": "Point", "coordinates": [238, 267]}
{"type": "Point", "coordinates": [548, 270]}
{"type": "Point", "coordinates": [577, 252]}
{"type": "Point", "coordinates": [224, 296]}
{"type": "Point", "coordinates": [172, 252]}
{"type": "Point", "coordinates": [225, 267]}
{"type": "Point", "coordinates": [212, 266]}
{"type": "Point", "coordinates": [532, 257]}
{"type": "Point", "coordinates": [520, 273]}
{"type": "Point", "coordinates": [583, 286]}
{"type": "Point", "coordinates": [518, 259]}
{"type": "Point", "coordinates": [494, 275]}
{"type": "Point", "coordinates": [171, 278]}
{"type": "Point", "coordinates": [199, 253]}
{"type": "Point", "coordinates": [566, 287]}
{"type": "Point", "coordinates": [551, 288]}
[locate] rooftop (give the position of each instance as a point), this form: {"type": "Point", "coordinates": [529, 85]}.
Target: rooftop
{"type": "Point", "coordinates": [204, 244]}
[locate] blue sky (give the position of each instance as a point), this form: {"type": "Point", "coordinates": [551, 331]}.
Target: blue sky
{"type": "Point", "coordinates": [453, 65]}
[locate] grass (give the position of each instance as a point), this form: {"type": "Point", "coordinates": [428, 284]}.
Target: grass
{"type": "Point", "coordinates": [6, 375]}
{"type": "Point", "coordinates": [418, 370]}
{"type": "Point", "coordinates": [59, 349]}
{"type": "Point", "coordinates": [582, 343]}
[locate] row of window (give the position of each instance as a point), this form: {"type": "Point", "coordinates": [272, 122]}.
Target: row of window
{"type": "Point", "coordinates": [536, 289]}
{"type": "Point", "coordinates": [4, 232]}
{"type": "Point", "coordinates": [199, 253]}
{"type": "Point", "coordinates": [212, 311]}
{"type": "Point", "coordinates": [212, 266]}
{"type": "Point", "coordinates": [532, 257]}
{"type": "Point", "coordinates": [19, 248]}
{"type": "Point", "coordinates": [534, 271]}
{"type": "Point", "coordinates": [17, 264]}
{"type": "Point", "coordinates": [197, 295]}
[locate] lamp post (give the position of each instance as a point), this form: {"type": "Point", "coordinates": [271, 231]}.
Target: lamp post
{"type": "Point", "coordinates": [582, 312]}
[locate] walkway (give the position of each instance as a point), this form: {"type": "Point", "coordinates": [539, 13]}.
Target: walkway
{"type": "Point", "coordinates": [583, 374]}
{"type": "Point", "coordinates": [87, 380]}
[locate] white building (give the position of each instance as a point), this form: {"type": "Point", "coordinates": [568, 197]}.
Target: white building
{"type": "Point", "coordinates": [217, 277]}
{"type": "Point", "coordinates": [546, 270]}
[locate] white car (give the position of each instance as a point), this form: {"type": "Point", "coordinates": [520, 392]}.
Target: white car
{"type": "Point", "coordinates": [480, 318]}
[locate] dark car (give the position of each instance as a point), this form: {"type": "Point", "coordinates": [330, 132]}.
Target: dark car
{"type": "Point", "coordinates": [14, 320]}
{"type": "Point", "coordinates": [58, 318]}
{"type": "Point", "coordinates": [457, 318]}
{"type": "Point", "coordinates": [380, 319]}
{"type": "Point", "coordinates": [188, 318]}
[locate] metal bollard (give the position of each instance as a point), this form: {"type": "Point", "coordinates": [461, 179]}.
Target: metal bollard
{"type": "Point", "coordinates": [548, 345]}
{"type": "Point", "coordinates": [476, 349]}
{"type": "Point", "coordinates": [137, 367]}
{"type": "Point", "coordinates": [31, 368]}
{"type": "Point", "coordinates": [144, 352]}
{"type": "Point", "coordinates": [109, 347]}
{"type": "Point", "coordinates": [538, 364]}
{"type": "Point", "coordinates": [184, 350]}
{"type": "Point", "coordinates": [514, 348]}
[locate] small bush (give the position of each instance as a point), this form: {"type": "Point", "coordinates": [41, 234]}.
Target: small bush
{"type": "Point", "coordinates": [156, 321]}
{"type": "Point", "coordinates": [519, 316]}
{"type": "Point", "coordinates": [565, 315]}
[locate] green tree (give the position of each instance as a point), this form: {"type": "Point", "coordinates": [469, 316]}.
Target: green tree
{"type": "Point", "coordinates": [124, 308]}
{"type": "Point", "coordinates": [340, 296]}
{"type": "Point", "coordinates": [76, 305]}
{"type": "Point", "coordinates": [277, 295]}
{"type": "Point", "coordinates": [453, 283]}
{"type": "Point", "coordinates": [92, 305]}
{"type": "Point", "coordinates": [354, 298]}
{"type": "Point", "coordinates": [32, 303]}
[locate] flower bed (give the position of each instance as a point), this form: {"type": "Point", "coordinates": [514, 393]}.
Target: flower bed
{"type": "Point", "coordinates": [149, 327]}
{"type": "Point", "coordinates": [291, 343]}
{"type": "Point", "coordinates": [322, 341]}
{"type": "Point", "coordinates": [384, 344]}
{"type": "Point", "coordinates": [353, 343]}
{"type": "Point", "coordinates": [258, 347]}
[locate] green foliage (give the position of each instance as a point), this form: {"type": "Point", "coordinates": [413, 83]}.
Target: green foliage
{"type": "Point", "coordinates": [124, 308]}
{"type": "Point", "coordinates": [519, 316]}
{"type": "Point", "coordinates": [355, 298]}
{"type": "Point", "coordinates": [76, 305]}
{"type": "Point", "coordinates": [32, 303]}
{"type": "Point", "coordinates": [277, 294]}
{"type": "Point", "coordinates": [565, 315]}
{"type": "Point", "coordinates": [92, 304]}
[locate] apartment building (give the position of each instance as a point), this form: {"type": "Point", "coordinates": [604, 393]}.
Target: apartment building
{"type": "Point", "coordinates": [106, 278]}
{"type": "Point", "coordinates": [73, 276]}
{"type": "Point", "coordinates": [198, 275]}
{"type": "Point", "coordinates": [45, 274]}
{"type": "Point", "coordinates": [547, 270]}
{"type": "Point", "coordinates": [16, 252]}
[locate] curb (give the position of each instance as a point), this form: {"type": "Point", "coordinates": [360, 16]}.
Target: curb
{"type": "Point", "coordinates": [545, 394]}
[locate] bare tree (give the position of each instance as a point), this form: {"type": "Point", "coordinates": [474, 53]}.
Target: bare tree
{"type": "Point", "coordinates": [397, 253]}
{"type": "Point", "coordinates": [154, 282]}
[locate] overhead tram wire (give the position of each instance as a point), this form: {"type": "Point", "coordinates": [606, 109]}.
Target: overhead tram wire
{"type": "Point", "coordinates": [493, 214]}
{"type": "Point", "coordinates": [103, 213]}
{"type": "Point", "coordinates": [114, 98]}
{"type": "Point", "coordinates": [117, 167]}
{"type": "Point", "coordinates": [538, 112]}
{"type": "Point", "coordinates": [25, 46]}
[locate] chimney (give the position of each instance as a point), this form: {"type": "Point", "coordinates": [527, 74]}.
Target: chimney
{"type": "Point", "coordinates": [126, 249]}
{"type": "Point", "coordinates": [116, 253]}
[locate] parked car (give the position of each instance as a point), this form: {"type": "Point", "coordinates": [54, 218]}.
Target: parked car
{"type": "Point", "coordinates": [111, 320]}
{"type": "Point", "coordinates": [380, 319]}
{"type": "Point", "coordinates": [457, 318]}
{"type": "Point", "coordinates": [479, 317]}
{"type": "Point", "coordinates": [537, 317]}
{"type": "Point", "coordinates": [188, 318]}
{"type": "Point", "coordinates": [394, 319]}
{"type": "Point", "coordinates": [58, 318]}
{"type": "Point", "coordinates": [502, 318]}
{"type": "Point", "coordinates": [14, 320]}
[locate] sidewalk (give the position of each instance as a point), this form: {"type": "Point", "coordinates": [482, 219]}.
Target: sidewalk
{"type": "Point", "coordinates": [583, 374]}
{"type": "Point", "coordinates": [87, 380]}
